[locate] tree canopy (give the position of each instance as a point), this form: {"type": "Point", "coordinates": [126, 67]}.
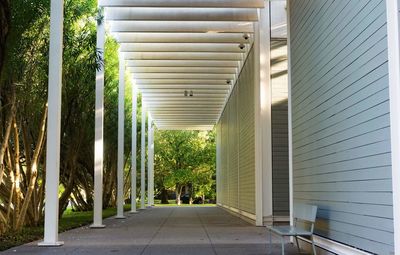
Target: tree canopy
{"type": "Point", "coordinates": [185, 159]}
{"type": "Point", "coordinates": [182, 159]}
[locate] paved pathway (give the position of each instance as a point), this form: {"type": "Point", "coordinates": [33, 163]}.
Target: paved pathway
{"type": "Point", "coordinates": [165, 231]}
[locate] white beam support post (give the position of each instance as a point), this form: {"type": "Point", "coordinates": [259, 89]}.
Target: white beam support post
{"type": "Point", "coordinates": [393, 20]}
{"type": "Point", "coordinates": [263, 101]}
{"type": "Point", "coordinates": [121, 127]}
{"type": "Point", "coordinates": [99, 128]}
{"type": "Point", "coordinates": [150, 161]}
{"type": "Point", "coordinates": [143, 159]}
{"type": "Point", "coordinates": [134, 151]}
{"type": "Point", "coordinates": [290, 130]}
{"type": "Point", "coordinates": [54, 125]}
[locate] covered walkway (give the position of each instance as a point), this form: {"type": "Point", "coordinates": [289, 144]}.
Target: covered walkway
{"type": "Point", "coordinates": [165, 230]}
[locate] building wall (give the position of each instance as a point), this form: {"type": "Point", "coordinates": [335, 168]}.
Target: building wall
{"type": "Point", "coordinates": [279, 121]}
{"type": "Point", "coordinates": [236, 174]}
{"type": "Point", "coordinates": [341, 136]}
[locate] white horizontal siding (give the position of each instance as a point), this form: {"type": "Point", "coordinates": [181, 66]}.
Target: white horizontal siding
{"type": "Point", "coordinates": [236, 177]}
{"type": "Point", "coordinates": [341, 125]}
{"type": "Point", "coordinates": [279, 121]}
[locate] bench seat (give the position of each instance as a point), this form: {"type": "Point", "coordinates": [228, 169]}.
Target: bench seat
{"type": "Point", "coordinates": [289, 231]}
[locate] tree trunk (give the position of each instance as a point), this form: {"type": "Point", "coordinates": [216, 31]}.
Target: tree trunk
{"type": "Point", "coordinates": [17, 175]}
{"type": "Point", "coordinates": [164, 196]}
{"type": "Point", "coordinates": [178, 193]}
{"type": "Point", "coordinates": [8, 125]}
{"type": "Point", "coordinates": [34, 170]}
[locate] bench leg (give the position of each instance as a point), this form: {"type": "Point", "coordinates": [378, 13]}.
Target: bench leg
{"type": "Point", "coordinates": [283, 245]}
{"type": "Point", "coordinates": [313, 246]}
{"type": "Point", "coordinates": [270, 242]}
{"type": "Point", "coordinates": [297, 242]}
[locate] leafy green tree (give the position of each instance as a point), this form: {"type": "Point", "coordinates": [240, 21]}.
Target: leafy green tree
{"type": "Point", "coordinates": [23, 109]}
{"type": "Point", "coordinates": [185, 160]}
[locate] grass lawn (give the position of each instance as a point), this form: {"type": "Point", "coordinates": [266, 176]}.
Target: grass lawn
{"type": "Point", "coordinates": [68, 221]}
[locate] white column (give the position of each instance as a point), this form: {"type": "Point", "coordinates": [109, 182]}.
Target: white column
{"type": "Point", "coordinates": [99, 131]}
{"type": "Point", "coordinates": [134, 151]}
{"type": "Point", "coordinates": [121, 125]}
{"type": "Point", "coordinates": [263, 101]}
{"type": "Point", "coordinates": [54, 125]}
{"type": "Point", "coordinates": [290, 131]}
{"type": "Point", "coordinates": [143, 159]}
{"type": "Point", "coordinates": [150, 164]}
{"type": "Point", "coordinates": [393, 20]}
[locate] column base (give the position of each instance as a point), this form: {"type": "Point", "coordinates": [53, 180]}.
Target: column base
{"type": "Point", "coordinates": [133, 212]}
{"type": "Point", "coordinates": [120, 217]}
{"type": "Point", "coordinates": [47, 244]}
{"type": "Point", "coordinates": [95, 226]}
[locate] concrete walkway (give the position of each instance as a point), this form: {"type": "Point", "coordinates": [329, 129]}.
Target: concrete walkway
{"type": "Point", "coordinates": [164, 231]}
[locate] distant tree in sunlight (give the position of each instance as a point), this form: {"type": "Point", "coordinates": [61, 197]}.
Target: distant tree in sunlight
{"type": "Point", "coordinates": [185, 161]}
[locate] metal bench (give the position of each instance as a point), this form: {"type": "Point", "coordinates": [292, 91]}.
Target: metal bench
{"type": "Point", "coordinates": [304, 214]}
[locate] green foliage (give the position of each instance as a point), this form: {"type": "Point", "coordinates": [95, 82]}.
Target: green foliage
{"type": "Point", "coordinates": [186, 158]}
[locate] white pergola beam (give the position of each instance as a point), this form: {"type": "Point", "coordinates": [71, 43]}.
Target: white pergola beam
{"type": "Point", "coordinates": [182, 27]}
{"type": "Point", "coordinates": [184, 113]}
{"type": "Point", "coordinates": [187, 116]}
{"type": "Point", "coordinates": [183, 37]}
{"type": "Point", "coordinates": [167, 89]}
{"type": "Point", "coordinates": [167, 104]}
{"type": "Point", "coordinates": [206, 70]}
{"type": "Point", "coordinates": [224, 56]}
{"type": "Point", "coordinates": [177, 101]}
{"type": "Point", "coordinates": [178, 96]}
{"type": "Point", "coordinates": [181, 47]}
{"type": "Point", "coordinates": [185, 127]}
{"type": "Point", "coordinates": [199, 87]}
{"type": "Point", "coordinates": [180, 92]}
{"type": "Point", "coordinates": [184, 3]}
{"type": "Point", "coordinates": [183, 76]}
{"type": "Point", "coordinates": [182, 63]}
{"type": "Point", "coordinates": [181, 14]}
{"type": "Point", "coordinates": [179, 82]}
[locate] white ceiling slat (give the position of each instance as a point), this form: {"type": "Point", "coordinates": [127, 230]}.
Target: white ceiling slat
{"type": "Point", "coordinates": [163, 97]}
{"type": "Point", "coordinates": [182, 37]}
{"type": "Point", "coordinates": [181, 63]}
{"type": "Point", "coordinates": [176, 100]}
{"type": "Point", "coordinates": [175, 46]}
{"type": "Point", "coordinates": [181, 47]}
{"type": "Point", "coordinates": [167, 104]}
{"type": "Point", "coordinates": [183, 56]}
{"type": "Point", "coordinates": [152, 92]}
{"type": "Point", "coordinates": [182, 27]}
{"type": "Point", "coordinates": [225, 77]}
{"type": "Point", "coordinates": [200, 115]}
{"type": "Point", "coordinates": [213, 70]}
{"type": "Point", "coordinates": [171, 82]}
{"type": "Point", "coordinates": [191, 111]}
{"type": "Point", "coordinates": [184, 3]}
{"type": "Point", "coordinates": [185, 127]}
{"type": "Point", "coordinates": [224, 88]}
{"type": "Point", "coordinates": [181, 14]}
